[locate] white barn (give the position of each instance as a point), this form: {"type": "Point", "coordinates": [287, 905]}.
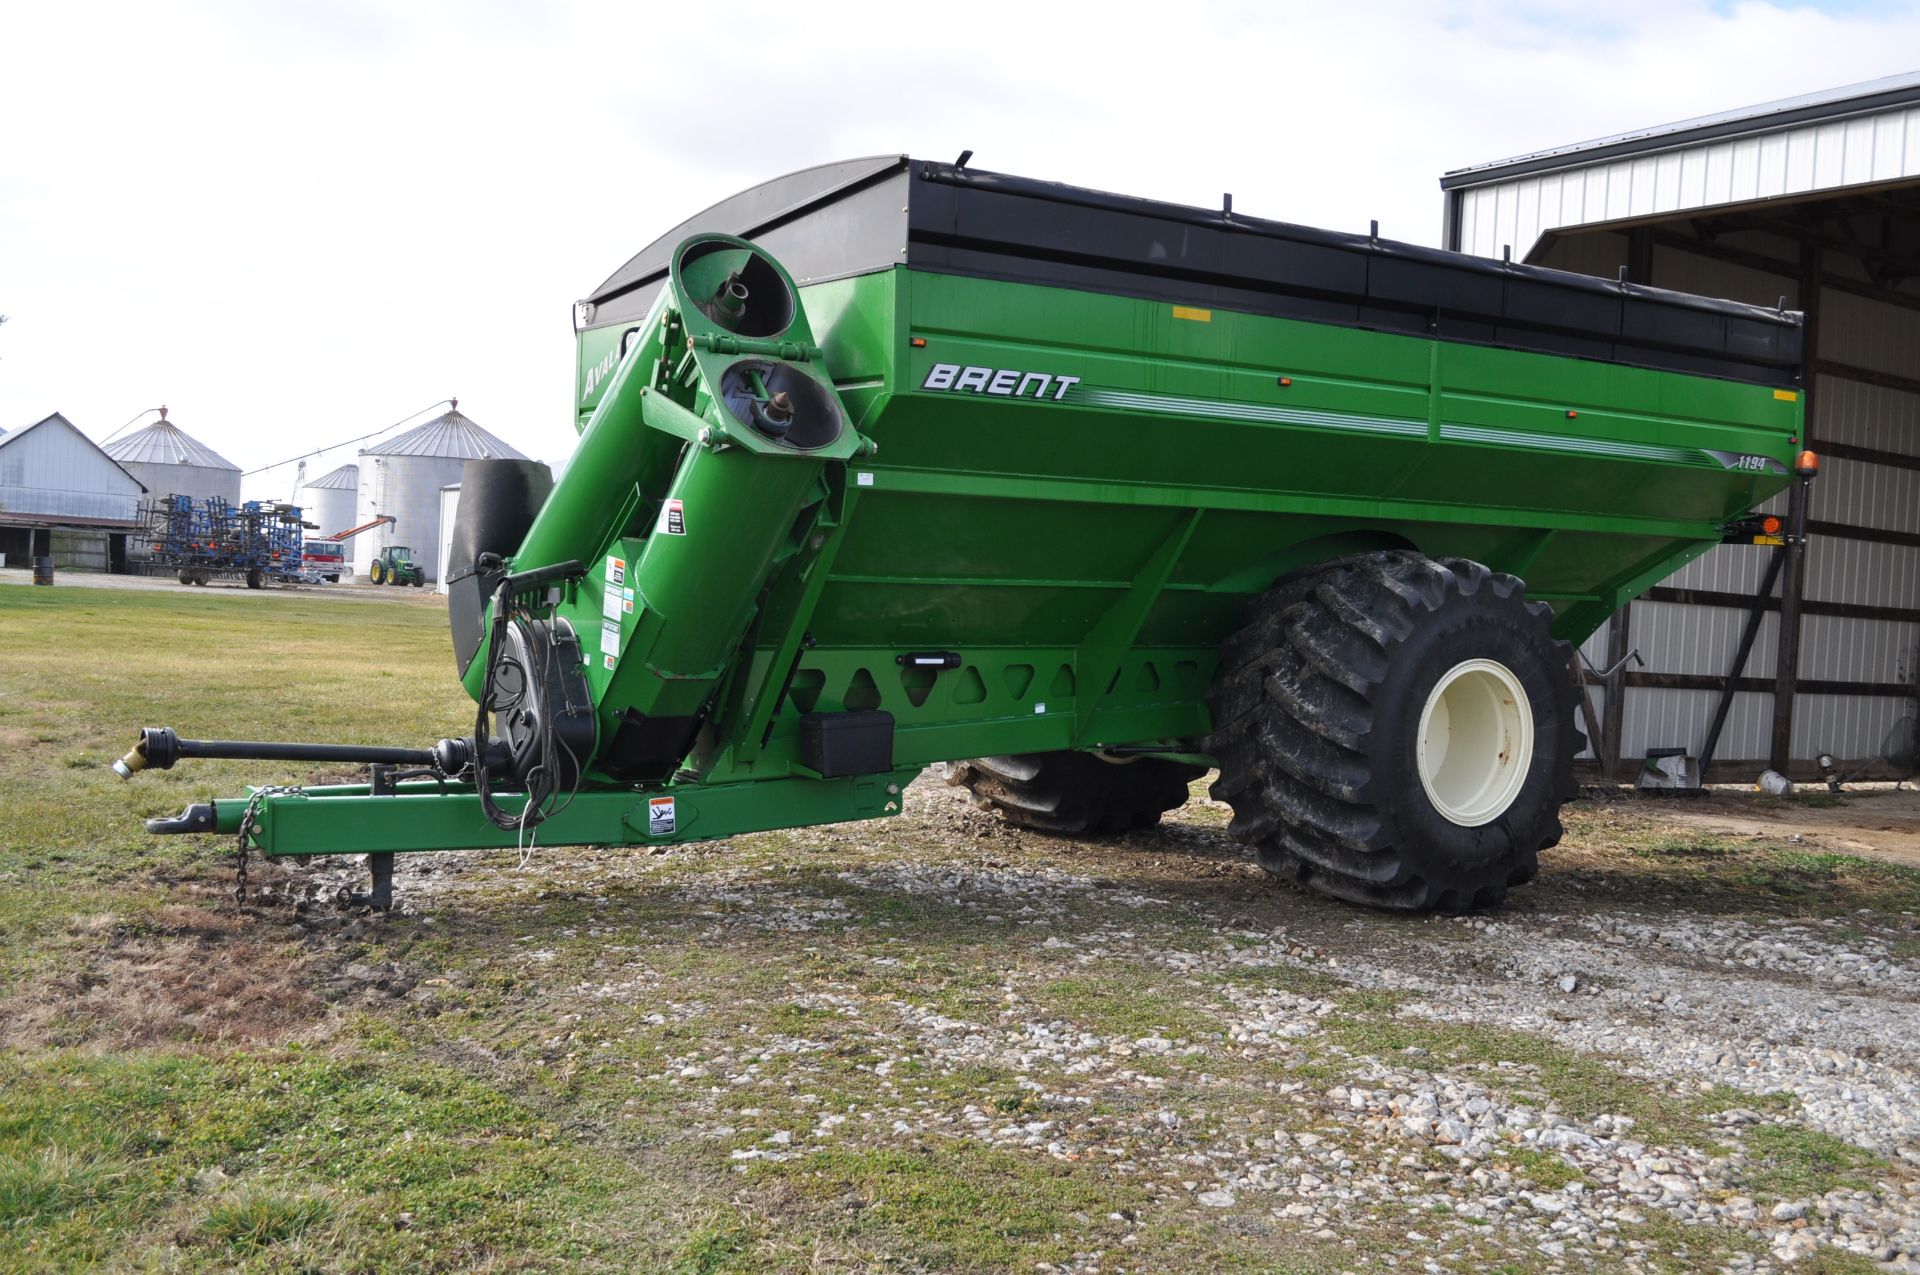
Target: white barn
{"type": "Point", "coordinates": [60, 495]}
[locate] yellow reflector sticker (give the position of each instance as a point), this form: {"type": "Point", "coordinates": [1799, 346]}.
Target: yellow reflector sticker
{"type": "Point", "coordinates": [1787, 396]}
{"type": "Point", "coordinates": [1191, 312]}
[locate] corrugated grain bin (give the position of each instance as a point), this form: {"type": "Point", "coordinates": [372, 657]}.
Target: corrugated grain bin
{"type": "Point", "coordinates": [330, 501]}
{"type": "Point", "coordinates": [402, 478]}
{"type": "Point", "coordinates": [169, 461]}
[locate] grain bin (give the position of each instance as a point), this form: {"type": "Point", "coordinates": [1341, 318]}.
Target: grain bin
{"type": "Point", "coordinates": [330, 501]}
{"type": "Point", "coordinates": [402, 478]}
{"type": "Point", "coordinates": [170, 462]}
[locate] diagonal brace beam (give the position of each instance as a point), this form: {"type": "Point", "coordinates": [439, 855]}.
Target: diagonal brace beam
{"type": "Point", "coordinates": [1100, 653]}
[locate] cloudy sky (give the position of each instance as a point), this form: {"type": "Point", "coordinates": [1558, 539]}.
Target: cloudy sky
{"type": "Point", "coordinates": [296, 221]}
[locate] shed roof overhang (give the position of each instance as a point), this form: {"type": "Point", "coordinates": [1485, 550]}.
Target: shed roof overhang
{"type": "Point", "coordinates": [1860, 140]}
{"type": "Point", "coordinates": [67, 522]}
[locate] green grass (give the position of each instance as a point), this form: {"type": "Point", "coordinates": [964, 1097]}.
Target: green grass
{"type": "Point", "coordinates": [175, 1094]}
{"type": "Point", "coordinates": [1127, 1003]}
{"type": "Point", "coordinates": [41, 1186]}
{"type": "Point", "coordinates": [1547, 1172]}
{"type": "Point", "coordinates": [1763, 876]}
{"type": "Point", "coordinates": [1826, 879]}
{"type": "Point", "coordinates": [1790, 1162]}
{"type": "Point", "coordinates": [258, 1217]}
{"type": "Point", "coordinates": [103, 1154]}
{"type": "Point", "coordinates": [959, 1206]}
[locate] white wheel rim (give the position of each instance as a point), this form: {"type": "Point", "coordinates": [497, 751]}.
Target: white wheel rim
{"type": "Point", "coordinates": [1475, 744]}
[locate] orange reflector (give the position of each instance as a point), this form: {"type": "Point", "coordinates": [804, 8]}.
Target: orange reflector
{"type": "Point", "coordinates": [1807, 465]}
{"type": "Point", "coordinates": [1571, 414]}
{"type": "Point", "coordinates": [918, 342]}
{"type": "Point", "coordinates": [1285, 381]}
{"type": "Point", "coordinates": [1770, 525]}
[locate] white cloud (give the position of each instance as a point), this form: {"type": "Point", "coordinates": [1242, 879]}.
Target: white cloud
{"type": "Point", "coordinates": [296, 221]}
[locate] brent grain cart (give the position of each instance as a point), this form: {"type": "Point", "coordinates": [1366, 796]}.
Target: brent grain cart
{"type": "Point", "coordinates": [890, 463]}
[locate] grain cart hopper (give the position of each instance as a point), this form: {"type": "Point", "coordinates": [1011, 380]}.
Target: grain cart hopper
{"type": "Point", "coordinates": [890, 463]}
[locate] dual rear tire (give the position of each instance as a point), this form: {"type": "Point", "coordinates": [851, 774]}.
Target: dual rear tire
{"type": "Point", "coordinates": [1390, 730]}
{"type": "Point", "coordinates": [1075, 793]}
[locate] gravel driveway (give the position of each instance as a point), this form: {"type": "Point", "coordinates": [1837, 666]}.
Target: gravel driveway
{"type": "Point", "coordinates": [1679, 1050]}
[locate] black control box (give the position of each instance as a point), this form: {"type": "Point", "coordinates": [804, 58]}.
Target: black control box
{"type": "Point", "coordinates": [854, 743]}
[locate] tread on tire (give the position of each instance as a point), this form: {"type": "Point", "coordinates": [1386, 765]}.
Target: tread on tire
{"type": "Point", "coordinates": [1316, 711]}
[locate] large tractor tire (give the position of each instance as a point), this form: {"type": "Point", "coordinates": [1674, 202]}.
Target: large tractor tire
{"type": "Point", "coordinates": [1396, 731]}
{"type": "Point", "coordinates": [375, 572]}
{"type": "Point", "coordinates": [1075, 793]}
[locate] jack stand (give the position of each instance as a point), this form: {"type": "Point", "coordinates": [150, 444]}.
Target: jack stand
{"type": "Point", "coordinates": [381, 897]}
{"type": "Point", "coordinates": [382, 783]}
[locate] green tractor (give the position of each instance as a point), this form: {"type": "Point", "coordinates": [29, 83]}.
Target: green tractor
{"type": "Point", "coordinates": [395, 565]}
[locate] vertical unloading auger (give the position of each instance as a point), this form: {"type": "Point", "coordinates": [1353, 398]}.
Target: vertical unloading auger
{"type": "Point", "coordinates": [597, 620]}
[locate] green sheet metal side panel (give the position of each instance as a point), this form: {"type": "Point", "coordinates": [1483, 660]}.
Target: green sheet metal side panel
{"type": "Point", "coordinates": [994, 516]}
{"type": "Point", "coordinates": [1008, 520]}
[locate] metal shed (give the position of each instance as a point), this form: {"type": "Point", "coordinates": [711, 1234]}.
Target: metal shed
{"type": "Point", "coordinates": [61, 495]}
{"type": "Point", "coordinates": [1812, 203]}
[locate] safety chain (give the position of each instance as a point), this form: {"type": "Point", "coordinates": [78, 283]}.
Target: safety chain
{"type": "Point", "coordinates": [248, 826]}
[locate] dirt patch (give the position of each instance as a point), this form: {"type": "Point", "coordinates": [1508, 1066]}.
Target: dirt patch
{"type": "Point", "coordinates": [182, 975]}
{"type": "Point", "coordinates": [1883, 822]}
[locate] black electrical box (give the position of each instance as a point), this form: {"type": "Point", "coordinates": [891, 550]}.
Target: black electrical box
{"type": "Point", "coordinates": [835, 745]}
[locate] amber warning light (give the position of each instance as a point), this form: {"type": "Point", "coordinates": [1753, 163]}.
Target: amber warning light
{"type": "Point", "coordinates": [1806, 465]}
{"type": "Point", "coordinates": [1761, 529]}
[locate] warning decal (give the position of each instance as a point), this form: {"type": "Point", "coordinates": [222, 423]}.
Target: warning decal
{"type": "Point", "coordinates": [660, 821]}
{"type": "Point", "coordinates": [616, 570]}
{"type": "Point", "coordinates": [673, 518]}
{"type": "Point", "coordinates": [609, 637]}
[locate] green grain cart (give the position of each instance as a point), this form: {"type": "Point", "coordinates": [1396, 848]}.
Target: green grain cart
{"type": "Point", "coordinates": [889, 464]}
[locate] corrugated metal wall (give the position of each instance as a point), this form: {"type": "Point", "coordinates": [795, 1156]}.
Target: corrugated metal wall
{"type": "Point", "coordinates": [1856, 331]}
{"type": "Point", "coordinates": [197, 481]}
{"type": "Point", "coordinates": [1879, 336]}
{"type": "Point", "coordinates": [331, 509]}
{"type": "Point", "coordinates": [55, 471]}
